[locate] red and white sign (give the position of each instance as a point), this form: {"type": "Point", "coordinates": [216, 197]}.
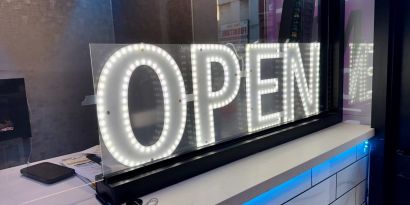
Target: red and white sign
{"type": "Point", "coordinates": [234, 32]}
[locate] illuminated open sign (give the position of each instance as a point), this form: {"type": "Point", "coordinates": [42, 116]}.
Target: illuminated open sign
{"type": "Point", "coordinates": [113, 114]}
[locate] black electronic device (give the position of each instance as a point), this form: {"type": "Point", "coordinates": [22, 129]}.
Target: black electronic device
{"type": "Point", "coordinates": [47, 172]}
{"type": "Point", "coordinates": [94, 158]}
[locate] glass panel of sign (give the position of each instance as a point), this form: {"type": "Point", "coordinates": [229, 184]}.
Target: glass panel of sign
{"type": "Point", "coordinates": [158, 101]}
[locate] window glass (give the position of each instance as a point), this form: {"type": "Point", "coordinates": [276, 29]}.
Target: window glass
{"type": "Point", "coordinates": [49, 82]}
{"type": "Point", "coordinates": [243, 66]}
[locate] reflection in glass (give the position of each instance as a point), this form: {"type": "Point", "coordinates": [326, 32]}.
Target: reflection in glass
{"type": "Point", "coordinates": [243, 21]}
{"type": "Point", "coordinates": [358, 62]}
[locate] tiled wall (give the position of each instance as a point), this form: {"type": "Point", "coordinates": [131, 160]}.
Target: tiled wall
{"type": "Point", "coordinates": [340, 180]}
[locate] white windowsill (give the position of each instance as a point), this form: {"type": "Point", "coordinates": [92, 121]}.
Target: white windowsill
{"type": "Point", "coordinates": [277, 165]}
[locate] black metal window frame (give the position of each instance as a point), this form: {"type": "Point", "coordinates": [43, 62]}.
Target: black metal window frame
{"type": "Point", "coordinates": [133, 183]}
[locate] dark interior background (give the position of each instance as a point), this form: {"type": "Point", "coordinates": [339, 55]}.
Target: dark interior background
{"type": "Point", "coordinates": [47, 43]}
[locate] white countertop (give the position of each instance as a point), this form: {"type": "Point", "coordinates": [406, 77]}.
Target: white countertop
{"type": "Point", "coordinates": [279, 163]}
{"type": "Point", "coordinates": [16, 189]}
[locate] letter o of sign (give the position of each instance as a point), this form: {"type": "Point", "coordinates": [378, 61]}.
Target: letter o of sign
{"type": "Point", "coordinates": [112, 104]}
